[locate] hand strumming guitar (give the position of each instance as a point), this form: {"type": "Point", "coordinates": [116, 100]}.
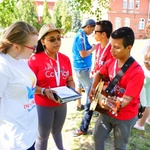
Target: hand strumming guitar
{"type": "Point", "coordinates": [111, 103]}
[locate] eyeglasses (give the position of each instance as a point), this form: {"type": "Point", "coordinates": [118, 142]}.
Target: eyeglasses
{"type": "Point", "coordinates": [98, 31]}
{"type": "Point", "coordinates": [32, 48]}
{"type": "Point", "coordinates": [54, 39]}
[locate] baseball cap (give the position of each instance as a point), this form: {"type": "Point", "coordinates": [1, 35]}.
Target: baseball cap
{"type": "Point", "coordinates": [48, 28]}
{"type": "Point", "coordinates": [88, 22]}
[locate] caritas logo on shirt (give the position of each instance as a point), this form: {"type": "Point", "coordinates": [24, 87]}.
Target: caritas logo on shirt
{"type": "Point", "coordinates": [31, 103]}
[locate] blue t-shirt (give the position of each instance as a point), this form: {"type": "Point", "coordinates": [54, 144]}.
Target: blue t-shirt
{"type": "Point", "coordinates": [81, 43]}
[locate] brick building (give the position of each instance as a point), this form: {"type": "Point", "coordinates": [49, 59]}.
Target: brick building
{"type": "Point", "coordinates": [132, 13]}
{"type": "Point", "coordinates": [40, 7]}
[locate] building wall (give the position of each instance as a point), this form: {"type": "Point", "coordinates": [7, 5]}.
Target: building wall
{"type": "Point", "coordinates": [134, 14]}
{"type": "Point", "coordinates": [40, 7]}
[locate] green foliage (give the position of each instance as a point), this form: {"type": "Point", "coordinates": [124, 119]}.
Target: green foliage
{"type": "Point", "coordinates": [61, 17]}
{"type": "Point", "coordinates": [27, 12]}
{"type": "Point", "coordinates": [89, 6]}
{"type": "Point", "coordinates": [76, 21]}
{"type": "Point", "coordinates": [46, 14]}
{"type": "Point", "coordinates": [18, 10]}
{"type": "Point", "coordinates": [7, 12]}
{"type": "Point", "coordinates": [57, 14]}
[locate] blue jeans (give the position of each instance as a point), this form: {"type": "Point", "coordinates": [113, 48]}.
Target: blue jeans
{"type": "Point", "coordinates": [121, 131]}
{"type": "Point", "coordinates": [83, 77]}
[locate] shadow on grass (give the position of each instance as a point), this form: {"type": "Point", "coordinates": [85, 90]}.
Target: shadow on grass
{"type": "Point", "coordinates": [139, 140]}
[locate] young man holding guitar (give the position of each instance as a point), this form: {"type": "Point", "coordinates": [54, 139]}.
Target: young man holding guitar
{"type": "Point", "coordinates": [127, 89]}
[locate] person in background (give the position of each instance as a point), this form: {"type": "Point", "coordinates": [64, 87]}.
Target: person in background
{"type": "Point", "coordinates": [145, 94]}
{"type": "Point", "coordinates": [81, 52]}
{"type": "Point", "coordinates": [18, 113]}
{"type": "Point", "coordinates": [82, 62]}
{"type": "Point", "coordinates": [103, 29]}
{"type": "Point", "coordinates": [52, 69]}
{"type": "Point", "coordinates": [127, 90]}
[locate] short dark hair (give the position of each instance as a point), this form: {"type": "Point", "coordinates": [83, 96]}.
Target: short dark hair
{"type": "Point", "coordinates": [125, 33]}
{"type": "Point", "coordinates": [106, 26]}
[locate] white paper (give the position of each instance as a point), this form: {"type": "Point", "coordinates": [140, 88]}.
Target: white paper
{"type": "Point", "coordinates": [64, 92]}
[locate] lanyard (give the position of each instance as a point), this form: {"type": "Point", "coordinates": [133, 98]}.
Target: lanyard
{"type": "Point", "coordinates": [100, 60]}
{"type": "Point", "coordinates": [56, 71]}
{"type": "Point", "coordinates": [115, 66]}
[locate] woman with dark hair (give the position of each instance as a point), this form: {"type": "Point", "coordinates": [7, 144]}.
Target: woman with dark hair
{"type": "Point", "coordinates": [52, 69]}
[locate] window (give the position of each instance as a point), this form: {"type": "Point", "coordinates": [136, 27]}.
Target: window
{"type": "Point", "coordinates": [117, 23]}
{"type": "Point", "coordinates": [124, 4]}
{"type": "Point", "coordinates": [141, 24]}
{"type": "Point", "coordinates": [131, 4]}
{"type": "Point", "coordinates": [127, 22]}
{"type": "Point", "coordinates": [137, 4]}
{"type": "Point", "coordinates": [40, 10]}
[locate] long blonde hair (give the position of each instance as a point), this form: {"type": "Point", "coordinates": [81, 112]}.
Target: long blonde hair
{"type": "Point", "coordinates": [16, 33]}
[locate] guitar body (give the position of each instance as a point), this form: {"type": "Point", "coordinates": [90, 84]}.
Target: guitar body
{"type": "Point", "coordinates": [100, 94]}
{"type": "Point", "coordinates": [100, 97]}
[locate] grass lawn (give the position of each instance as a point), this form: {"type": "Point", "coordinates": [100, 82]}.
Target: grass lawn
{"type": "Point", "coordinates": [139, 140]}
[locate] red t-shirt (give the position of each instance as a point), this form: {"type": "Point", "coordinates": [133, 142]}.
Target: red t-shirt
{"type": "Point", "coordinates": [101, 56]}
{"type": "Point", "coordinates": [44, 68]}
{"type": "Point", "coordinates": [130, 85]}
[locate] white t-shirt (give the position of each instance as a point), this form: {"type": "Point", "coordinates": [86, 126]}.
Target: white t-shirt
{"type": "Point", "coordinates": [147, 45]}
{"type": "Point", "coordinates": [145, 94]}
{"type": "Point", "coordinates": [18, 114]}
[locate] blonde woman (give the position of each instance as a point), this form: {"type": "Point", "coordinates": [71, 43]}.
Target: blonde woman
{"type": "Point", "coordinates": [18, 114]}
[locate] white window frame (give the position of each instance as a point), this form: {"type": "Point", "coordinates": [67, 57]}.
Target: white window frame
{"type": "Point", "coordinates": [131, 4]}
{"type": "Point", "coordinates": [141, 24]}
{"type": "Point", "coordinates": [127, 22]}
{"type": "Point", "coordinates": [137, 4]}
{"type": "Point", "coordinates": [117, 22]}
{"type": "Point", "coordinates": [124, 4]}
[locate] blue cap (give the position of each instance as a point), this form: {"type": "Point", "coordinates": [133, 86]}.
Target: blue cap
{"type": "Point", "coordinates": [88, 22]}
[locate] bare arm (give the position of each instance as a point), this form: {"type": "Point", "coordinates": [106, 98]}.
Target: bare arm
{"type": "Point", "coordinates": [125, 100]}
{"type": "Point", "coordinates": [70, 82]}
{"type": "Point", "coordinates": [96, 80]}
{"type": "Point", "coordinates": [45, 92]}
{"type": "Point", "coordinates": [85, 53]}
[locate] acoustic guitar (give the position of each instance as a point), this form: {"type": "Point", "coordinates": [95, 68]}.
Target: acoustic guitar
{"type": "Point", "coordinates": [100, 95]}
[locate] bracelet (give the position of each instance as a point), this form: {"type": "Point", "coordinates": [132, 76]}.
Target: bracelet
{"type": "Point", "coordinates": [42, 91]}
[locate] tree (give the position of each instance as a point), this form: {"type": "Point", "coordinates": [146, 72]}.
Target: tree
{"type": "Point", "coordinates": [46, 18]}
{"type": "Point", "coordinates": [27, 12]}
{"type": "Point", "coordinates": [18, 10]}
{"type": "Point", "coordinates": [7, 12]}
{"type": "Point", "coordinates": [57, 14]}
{"type": "Point", "coordinates": [66, 18]}
{"type": "Point", "coordinates": [94, 7]}
{"type": "Point", "coordinates": [76, 25]}
{"type": "Point", "coordinates": [61, 16]}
